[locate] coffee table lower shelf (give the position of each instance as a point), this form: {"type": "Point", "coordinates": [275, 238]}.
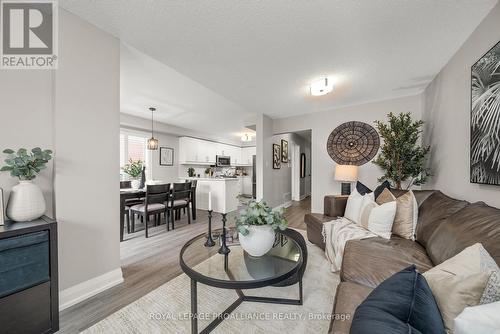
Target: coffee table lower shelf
{"type": "Point", "coordinates": [241, 298]}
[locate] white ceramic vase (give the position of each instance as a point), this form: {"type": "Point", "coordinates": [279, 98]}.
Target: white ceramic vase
{"type": "Point", "coordinates": [26, 202]}
{"type": "Point", "coordinates": [258, 241]}
{"type": "Point", "coordinates": [135, 184]}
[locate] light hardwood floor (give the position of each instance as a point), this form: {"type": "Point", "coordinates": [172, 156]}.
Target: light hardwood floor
{"type": "Point", "coordinates": [149, 263]}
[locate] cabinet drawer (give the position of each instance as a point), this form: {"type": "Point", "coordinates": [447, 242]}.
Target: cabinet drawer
{"type": "Point", "coordinates": [27, 312]}
{"type": "Point", "coordinates": [24, 262]}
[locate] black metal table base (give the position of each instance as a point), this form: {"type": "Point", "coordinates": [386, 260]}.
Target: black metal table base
{"type": "Point", "coordinates": [241, 298]}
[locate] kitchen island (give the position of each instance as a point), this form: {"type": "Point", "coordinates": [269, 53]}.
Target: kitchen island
{"type": "Point", "coordinates": [224, 193]}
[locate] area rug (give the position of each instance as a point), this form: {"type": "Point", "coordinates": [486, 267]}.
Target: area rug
{"type": "Point", "coordinates": [166, 309]}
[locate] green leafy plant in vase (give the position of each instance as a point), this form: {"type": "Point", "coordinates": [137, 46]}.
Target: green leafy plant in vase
{"type": "Point", "coordinates": [26, 201]}
{"type": "Point", "coordinates": [134, 170]}
{"type": "Point", "coordinates": [191, 172]}
{"type": "Point", "coordinates": [257, 225]}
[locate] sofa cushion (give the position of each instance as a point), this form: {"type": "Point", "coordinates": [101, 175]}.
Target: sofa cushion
{"type": "Point", "coordinates": [371, 261]}
{"type": "Point", "coordinates": [348, 297]}
{"type": "Point", "coordinates": [476, 223]}
{"type": "Point", "coordinates": [401, 304]}
{"type": "Point", "coordinates": [433, 211]}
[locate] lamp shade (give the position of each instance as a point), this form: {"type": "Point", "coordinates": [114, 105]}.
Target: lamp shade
{"type": "Point", "coordinates": [346, 173]}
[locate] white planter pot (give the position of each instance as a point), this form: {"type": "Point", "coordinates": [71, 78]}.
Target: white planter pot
{"type": "Point", "coordinates": [258, 241]}
{"type": "Point", "coordinates": [26, 202]}
{"type": "Point", "coordinates": [135, 184]}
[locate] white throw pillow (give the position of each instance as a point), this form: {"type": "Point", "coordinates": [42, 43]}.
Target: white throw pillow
{"type": "Point", "coordinates": [353, 207]}
{"type": "Point", "coordinates": [481, 319]}
{"type": "Point", "coordinates": [378, 218]}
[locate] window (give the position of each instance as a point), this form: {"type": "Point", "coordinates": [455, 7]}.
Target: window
{"type": "Point", "coordinates": [134, 146]}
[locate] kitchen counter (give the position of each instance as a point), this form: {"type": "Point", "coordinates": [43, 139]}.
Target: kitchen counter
{"type": "Point", "coordinates": [210, 178]}
{"type": "Point", "coordinates": [224, 192]}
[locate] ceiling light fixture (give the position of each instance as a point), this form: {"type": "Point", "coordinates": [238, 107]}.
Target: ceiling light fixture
{"type": "Point", "coordinates": [152, 142]}
{"type": "Point", "coordinates": [321, 86]}
{"type": "Point", "coordinates": [246, 137]}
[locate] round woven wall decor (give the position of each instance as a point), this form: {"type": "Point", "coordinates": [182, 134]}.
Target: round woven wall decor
{"type": "Point", "coordinates": [353, 143]}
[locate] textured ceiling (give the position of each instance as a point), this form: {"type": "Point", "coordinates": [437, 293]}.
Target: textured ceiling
{"type": "Point", "coordinates": [261, 55]}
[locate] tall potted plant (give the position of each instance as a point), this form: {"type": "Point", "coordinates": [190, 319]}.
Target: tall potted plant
{"type": "Point", "coordinates": [402, 157]}
{"type": "Point", "coordinates": [134, 170]}
{"type": "Point", "coordinates": [26, 200]}
{"type": "Point", "coordinates": [257, 225]}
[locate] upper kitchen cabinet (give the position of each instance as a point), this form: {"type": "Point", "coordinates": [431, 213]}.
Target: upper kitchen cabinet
{"type": "Point", "coordinates": [203, 152]}
{"type": "Point", "coordinates": [247, 154]}
{"type": "Point", "coordinates": [192, 150]}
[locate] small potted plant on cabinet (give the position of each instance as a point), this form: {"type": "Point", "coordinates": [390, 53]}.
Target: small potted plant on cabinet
{"type": "Point", "coordinates": [26, 200]}
{"type": "Point", "coordinates": [191, 172]}
{"type": "Point", "coordinates": [257, 226]}
{"type": "Point", "coordinates": [134, 170]}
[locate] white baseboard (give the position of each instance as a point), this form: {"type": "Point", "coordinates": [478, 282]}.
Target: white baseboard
{"type": "Point", "coordinates": [89, 288]}
{"type": "Point", "coordinates": [283, 206]}
{"type": "Point", "coordinates": [304, 196]}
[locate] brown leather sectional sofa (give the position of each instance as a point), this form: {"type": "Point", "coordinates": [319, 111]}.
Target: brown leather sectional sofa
{"type": "Point", "coordinates": [445, 227]}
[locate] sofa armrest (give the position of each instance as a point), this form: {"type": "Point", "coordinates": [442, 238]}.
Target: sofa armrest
{"type": "Point", "coordinates": [334, 205]}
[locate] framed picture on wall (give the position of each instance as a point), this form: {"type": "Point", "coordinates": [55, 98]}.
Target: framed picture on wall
{"type": "Point", "coordinates": [166, 156]}
{"type": "Point", "coordinates": [284, 151]}
{"type": "Point", "coordinates": [484, 120]}
{"type": "Point", "coordinates": [302, 165]}
{"type": "Point", "coordinates": [2, 217]}
{"type": "Point", "coordinates": [276, 156]}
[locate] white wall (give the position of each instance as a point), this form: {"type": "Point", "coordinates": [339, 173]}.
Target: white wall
{"type": "Point", "coordinates": [86, 127]}
{"type": "Point", "coordinates": [447, 113]}
{"type": "Point", "coordinates": [26, 121]}
{"type": "Point", "coordinates": [264, 158]}
{"type": "Point", "coordinates": [323, 123]}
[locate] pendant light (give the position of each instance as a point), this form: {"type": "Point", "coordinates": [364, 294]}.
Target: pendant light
{"type": "Point", "coordinates": [152, 142]}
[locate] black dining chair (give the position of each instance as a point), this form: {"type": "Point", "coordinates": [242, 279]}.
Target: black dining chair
{"type": "Point", "coordinates": [194, 184]}
{"type": "Point", "coordinates": [156, 196]}
{"type": "Point", "coordinates": [129, 203]}
{"type": "Point", "coordinates": [179, 199]}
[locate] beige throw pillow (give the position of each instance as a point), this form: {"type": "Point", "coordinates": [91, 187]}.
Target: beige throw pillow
{"type": "Point", "coordinates": [453, 294]}
{"type": "Point", "coordinates": [377, 218]}
{"type": "Point", "coordinates": [460, 281]}
{"type": "Point", "coordinates": [406, 217]}
{"type": "Point", "coordinates": [385, 197]}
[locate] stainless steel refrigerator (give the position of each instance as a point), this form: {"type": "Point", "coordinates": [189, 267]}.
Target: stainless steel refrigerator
{"type": "Point", "coordinates": [254, 178]}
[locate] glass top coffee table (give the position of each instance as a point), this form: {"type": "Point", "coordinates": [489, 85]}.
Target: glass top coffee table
{"type": "Point", "coordinates": [237, 270]}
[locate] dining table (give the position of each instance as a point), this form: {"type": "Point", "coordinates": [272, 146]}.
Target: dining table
{"type": "Point", "coordinates": [128, 193]}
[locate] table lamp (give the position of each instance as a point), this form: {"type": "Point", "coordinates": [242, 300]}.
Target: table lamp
{"type": "Point", "coordinates": [346, 174]}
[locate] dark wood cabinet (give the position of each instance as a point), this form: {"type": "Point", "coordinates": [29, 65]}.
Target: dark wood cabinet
{"type": "Point", "coordinates": [29, 298]}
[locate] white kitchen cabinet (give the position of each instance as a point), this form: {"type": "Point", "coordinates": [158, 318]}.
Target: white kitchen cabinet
{"type": "Point", "coordinates": [188, 150]}
{"type": "Point", "coordinates": [247, 185]}
{"type": "Point", "coordinates": [203, 152]}
{"type": "Point", "coordinates": [247, 154]}
{"type": "Point", "coordinates": [235, 154]}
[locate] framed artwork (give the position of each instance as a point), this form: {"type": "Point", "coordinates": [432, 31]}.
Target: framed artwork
{"type": "Point", "coordinates": [484, 120]}
{"type": "Point", "coordinates": [2, 217]}
{"type": "Point", "coordinates": [302, 165]}
{"type": "Point", "coordinates": [284, 151]}
{"type": "Point", "coordinates": [353, 143]}
{"type": "Point", "coordinates": [276, 156]}
{"type": "Point", "coordinates": [166, 156]}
